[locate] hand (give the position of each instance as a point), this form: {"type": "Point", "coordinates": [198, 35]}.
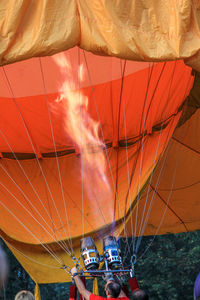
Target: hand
{"type": "Point", "coordinates": [74, 270]}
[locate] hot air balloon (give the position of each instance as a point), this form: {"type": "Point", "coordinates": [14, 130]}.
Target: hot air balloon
{"type": "Point", "coordinates": [141, 172]}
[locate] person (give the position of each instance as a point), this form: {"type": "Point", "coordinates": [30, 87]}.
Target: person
{"type": "Point", "coordinates": [137, 293]}
{"type": "Point", "coordinates": [197, 287]}
{"type": "Point", "coordinates": [3, 267]}
{"type": "Point", "coordinates": [112, 288]}
{"type": "Point", "coordinates": [24, 295]}
{"type": "Point", "coordinates": [140, 295]}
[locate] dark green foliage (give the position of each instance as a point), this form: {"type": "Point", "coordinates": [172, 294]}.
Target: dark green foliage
{"type": "Point", "coordinates": [170, 266]}
{"type": "Point", "coordinates": [167, 271]}
{"type": "Point", "coordinates": [18, 278]}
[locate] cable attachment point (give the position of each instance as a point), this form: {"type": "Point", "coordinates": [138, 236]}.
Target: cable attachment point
{"type": "Point", "coordinates": [133, 262]}
{"type": "Point", "coordinates": [133, 259]}
{"type": "Point", "coordinates": [67, 269]}
{"type": "Point", "coordinates": [77, 263]}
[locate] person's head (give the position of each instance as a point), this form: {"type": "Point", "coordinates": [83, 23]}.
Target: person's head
{"type": "Point", "coordinates": [112, 289]}
{"type": "Point", "coordinates": [24, 295]}
{"type": "Point", "coordinates": [140, 295]}
{"type": "Point", "coordinates": [3, 267]}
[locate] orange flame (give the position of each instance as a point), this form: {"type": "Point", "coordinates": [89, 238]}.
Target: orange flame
{"type": "Point", "coordinates": [83, 131]}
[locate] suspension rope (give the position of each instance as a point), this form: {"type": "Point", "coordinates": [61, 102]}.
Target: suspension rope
{"type": "Point", "coordinates": [81, 128]}
{"type": "Point", "coordinates": [126, 145]}
{"type": "Point", "coordinates": [141, 160]}
{"type": "Point", "coordinates": [139, 145]}
{"type": "Point", "coordinates": [18, 201]}
{"type": "Point", "coordinates": [118, 125]}
{"type": "Point", "coordinates": [30, 140]}
{"type": "Point", "coordinates": [171, 189]}
{"type": "Point", "coordinates": [25, 196]}
{"type": "Point", "coordinates": [101, 129]}
{"type": "Point", "coordinates": [56, 155]}
{"type": "Point", "coordinates": [30, 258]}
{"type": "Point", "coordinates": [154, 162]}
{"type": "Point", "coordinates": [35, 237]}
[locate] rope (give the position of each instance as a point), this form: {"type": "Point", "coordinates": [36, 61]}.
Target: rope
{"type": "Point", "coordinates": [37, 239]}
{"type": "Point", "coordinates": [138, 149]}
{"type": "Point", "coordinates": [141, 160]}
{"type": "Point", "coordinates": [30, 258]}
{"type": "Point", "coordinates": [117, 160]}
{"type": "Point", "coordinates": [101, 129]}
{"type": "Point", "coordinates": [57, 161]}
{"type": "Point", "coordinates": [167, 202]}
{"type": "Point", "coordinates": [127, 159]}
{"type": "Point", "coordinates": [82, 173]}
{"type": "Point", "coordinates": [154, 162]}
{"type": "Point", "coordinates": [8, 191]}
{"type": "Point", "coordinates": [25, 196]}
{"type": "Point", "coordinates": [30, 140]}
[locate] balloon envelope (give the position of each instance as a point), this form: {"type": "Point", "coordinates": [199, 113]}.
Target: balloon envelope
{"type": "Point", "coordinates": [43, 192]}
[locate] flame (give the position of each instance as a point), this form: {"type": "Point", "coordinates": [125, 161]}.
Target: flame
{"type": "Point", "coordinates": [84, 132]}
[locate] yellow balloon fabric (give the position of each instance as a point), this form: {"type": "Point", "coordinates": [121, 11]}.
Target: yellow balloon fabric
{"type": "Point", "coordinates": [37, 292]}
{"type": "Point", "coordinates": [95, 287]}
{"type": "Point", "coordinates": [143, 30]}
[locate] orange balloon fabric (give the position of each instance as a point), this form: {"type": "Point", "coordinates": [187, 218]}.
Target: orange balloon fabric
{"type": "Point", "coordinates": [138, 106]}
